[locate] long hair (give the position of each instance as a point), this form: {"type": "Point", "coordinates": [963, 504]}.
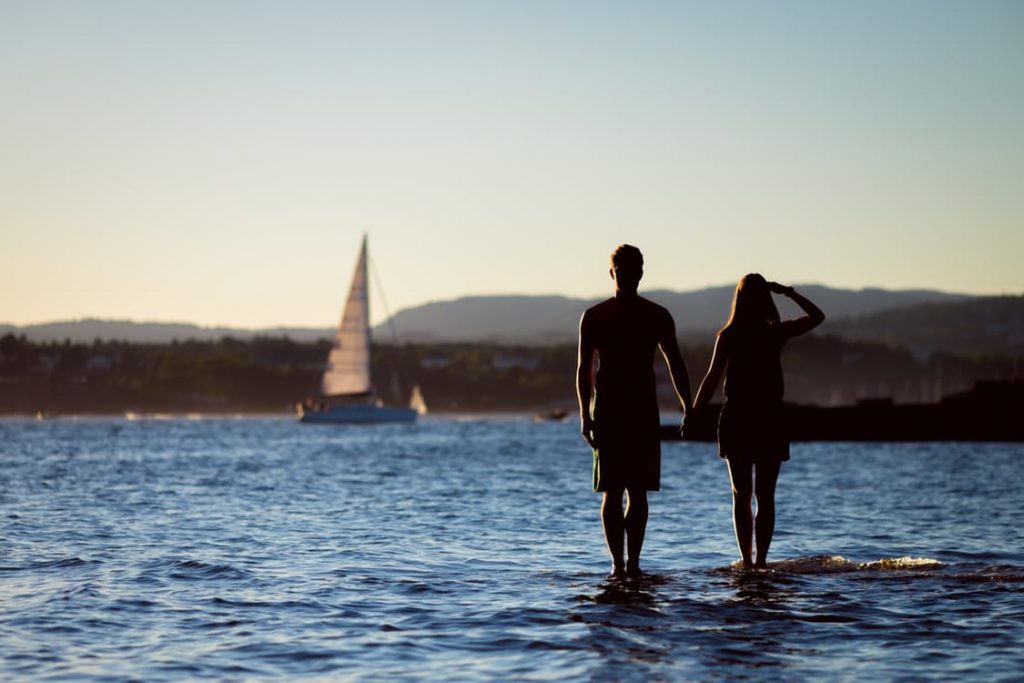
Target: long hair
{"type": "Point", "coordinates": [752, 304]}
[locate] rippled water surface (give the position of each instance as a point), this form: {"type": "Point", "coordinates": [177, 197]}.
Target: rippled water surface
{"type": "Point", "coordinates": [472, 550]}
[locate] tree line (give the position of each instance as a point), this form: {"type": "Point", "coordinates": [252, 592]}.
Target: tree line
{"type": "Point", "coordinates": [270, 374]}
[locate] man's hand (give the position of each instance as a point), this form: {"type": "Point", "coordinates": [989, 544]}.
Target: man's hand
{"type": "Point", "coordinates": [682, 425]}
{"type": "Point", "coordinates": [587, 429]}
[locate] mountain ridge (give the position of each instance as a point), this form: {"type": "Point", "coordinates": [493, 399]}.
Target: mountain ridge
{"type": "Point", "coordinates": [552, 319]}
{"type": "Point", "coordinates": [555, 318]}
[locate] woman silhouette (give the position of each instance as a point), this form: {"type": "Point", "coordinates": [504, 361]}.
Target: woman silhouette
{"type": "Point", "coordinates": [751, 429]}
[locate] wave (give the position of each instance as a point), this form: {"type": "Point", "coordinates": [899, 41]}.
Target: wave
{"type": "Point", "coordinates": [195, 569]}
{"type": "Point", "coordinates": [837, 564]}
{"type": "Point", "coordinates": [895, 566]}
{"type": "Point", "coordinates": [45, 565]}
{"type": "Point", "coordinates": [189, 570]}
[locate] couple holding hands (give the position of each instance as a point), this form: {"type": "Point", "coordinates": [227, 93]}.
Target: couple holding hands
{"type": "Point", "coordinates": [619, 416]}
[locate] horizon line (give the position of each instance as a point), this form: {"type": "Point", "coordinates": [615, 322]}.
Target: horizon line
{"type": "Point", "coordinates": [316, 326]}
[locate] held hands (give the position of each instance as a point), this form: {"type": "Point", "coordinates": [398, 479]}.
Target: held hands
{"type": "Point", "coordinates": [587, 429]}
{"type": "Point", "coordinates": [691, 422]}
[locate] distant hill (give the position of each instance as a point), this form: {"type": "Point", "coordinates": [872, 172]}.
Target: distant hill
{"type": "Point", "coordinates": [499, 319]}
{"type": "Point", "coordinates": [89, 329]}
{"type": "Point", "coordinates": [986, 325]}
{"type": "Point", "coordinates": [548, 319]}
{"type": "Point", "coordinates": [922, 320]}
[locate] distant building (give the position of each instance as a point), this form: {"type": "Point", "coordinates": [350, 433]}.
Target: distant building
{"type": "Point", "coordinates": [47, 362]}
{"type": "Point", "coordinates": [517, 361]}
{"type": "Point", "coordinates": [433, 361]}
{"type": "Point", "coordinates": [100, 362]}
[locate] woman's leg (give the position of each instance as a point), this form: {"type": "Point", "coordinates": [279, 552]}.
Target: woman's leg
{"type": "Point", "coordinates": [741, 477]}
{"type": "Point", "coordinates": [764, 490]}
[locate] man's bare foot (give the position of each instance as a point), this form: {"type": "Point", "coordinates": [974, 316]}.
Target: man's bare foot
{"type": "Point", "coordinates": [617, 573]}
{"type": "Point", "coordinates": [633, 571]}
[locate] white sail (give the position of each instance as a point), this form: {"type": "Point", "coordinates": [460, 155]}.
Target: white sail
{"type": "Point", "coordinates": [348, 365]}
{"type": "Point", "coordinates": [417, 402]}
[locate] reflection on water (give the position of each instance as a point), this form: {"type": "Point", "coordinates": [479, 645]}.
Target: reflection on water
{"type": "Point", "coordinates": [765, 590]}
{"type": "Point", "coordinates": [638, 591]}
{"type": "Point", "coordinates": [627, 626]}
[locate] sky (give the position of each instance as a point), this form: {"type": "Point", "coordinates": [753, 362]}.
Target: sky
{"type": "Point", "coordinates": [219, 162]}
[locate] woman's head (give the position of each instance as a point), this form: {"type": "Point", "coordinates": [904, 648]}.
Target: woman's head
{"type": "Point", "coordinates": [752, 303]}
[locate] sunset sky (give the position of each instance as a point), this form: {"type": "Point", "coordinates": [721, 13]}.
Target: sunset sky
{"type": "Point", "coordinates": [219, 162]}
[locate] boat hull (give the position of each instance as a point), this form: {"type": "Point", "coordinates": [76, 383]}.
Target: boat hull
{"type": "Point", "coordinates": [358, 414]}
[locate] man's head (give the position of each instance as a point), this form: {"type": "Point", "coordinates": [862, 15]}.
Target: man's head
{"type": "Point", "coordinates": [627, 267]}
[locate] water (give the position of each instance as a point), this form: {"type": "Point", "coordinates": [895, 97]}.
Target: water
{"type": "Point", "coordinates": [472, 550]}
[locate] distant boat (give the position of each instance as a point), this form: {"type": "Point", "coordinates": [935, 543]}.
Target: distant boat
{"type": "Point", "coordinates": [346, 391]}
{"type": "Point", "coordinates": [417, 402]}
{"type": "Point", "coordinates": [553, 415]}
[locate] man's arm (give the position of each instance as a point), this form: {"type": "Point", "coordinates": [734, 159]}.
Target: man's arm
{"type": "Point", "coordinates": [585, 379]}
{"type": "Point", "coordinates": [676, 367]}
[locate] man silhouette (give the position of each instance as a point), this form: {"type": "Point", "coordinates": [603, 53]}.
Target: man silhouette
{"type": "Point", "coordinates": [622, 334]}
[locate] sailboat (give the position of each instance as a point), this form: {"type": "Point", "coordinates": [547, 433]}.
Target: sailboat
{"type": "Point", "coordinates": [417, 402]}
{"type": "Point", "coordinates": [346, 391]}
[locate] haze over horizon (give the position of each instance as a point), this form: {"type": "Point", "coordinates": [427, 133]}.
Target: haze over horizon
{"type": "Point", "coordinates": [218, 164]}
{"type": "Point", "coordinates": [381, 319]}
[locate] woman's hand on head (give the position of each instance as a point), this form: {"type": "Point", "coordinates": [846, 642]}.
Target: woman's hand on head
{"type": "Point", "coordinates": [776, 288]}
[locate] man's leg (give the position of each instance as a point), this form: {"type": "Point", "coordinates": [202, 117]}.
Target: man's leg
{"type": "Point", "coordinates": [741, 476]}
{"type": "Point", "coordinates": [764, 525]}
{"type": "Point", "coordinates": [614, 529]}
{"type": "Point", "coordinates": [636, 526]}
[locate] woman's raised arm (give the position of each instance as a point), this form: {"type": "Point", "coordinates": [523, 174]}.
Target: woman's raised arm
{"type": "Point", "coordinates": [815, 316]}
